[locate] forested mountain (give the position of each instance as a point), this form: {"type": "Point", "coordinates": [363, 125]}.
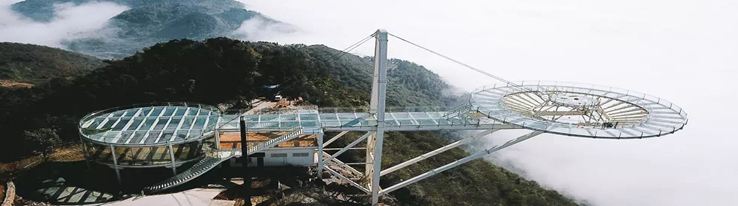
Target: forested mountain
{"type": "Point", "coordinates": [29, 63]}
{"type": "Point", "coordinates": [227, 71]}
{"type": "Point", "coordinates": [149, 22]}
{"type": "Point", "coordinates": [214, 71]}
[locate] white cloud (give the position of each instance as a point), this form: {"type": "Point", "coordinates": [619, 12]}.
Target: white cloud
{"type": "Point", "coordinates": [259, 28]}
{"type": "Point", "coordinates": [684, 51]}
{"type": "Point", "coordinates": [70, 21]}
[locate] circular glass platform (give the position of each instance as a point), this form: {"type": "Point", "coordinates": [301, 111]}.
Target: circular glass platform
{"type": "Point", "coordinates": [580, 110]}
{"type": "Point", "coordinates": [150, 135]}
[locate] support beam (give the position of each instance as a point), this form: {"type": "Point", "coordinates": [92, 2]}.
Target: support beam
{"type": "Point", "coordinates": [344, 178]}
{"type": "Point", "coordinates": [377, 108]}
{"type": "Point", "coordinates": [434, 152]}
{"type": "Point", "coordinates": [355, 163]}
{"type": "Point", "coordinates": [244, 135]}
{"type": "Point", "coordinates": [342, 164]}
{"type": "Point", "coordinates": [560, 113]}
{"type": "Point", "coordinates": [171, 155]}
{"type": "Point", "coordinates": [459, 162]}
{"type": "Point", "coordinates": [350, 145]}
{"type": "Point", "coordinates": [86, 152]}
{"type": "Point", "coordinates": [321, 164]}
{"type": "Point", "coordinates": [334, 138]}
{"type": "Point", "coordinates": [216, 130]}
{"type": "Point", "coordinates": [244, 158]}
{"type": "Point", "coordinates": [115, 164]}
{"type": "Point", "coordinates": [336, 149]}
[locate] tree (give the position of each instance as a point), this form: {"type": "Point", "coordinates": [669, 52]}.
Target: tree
{"type": "Point", "coordinates": [43, 140]}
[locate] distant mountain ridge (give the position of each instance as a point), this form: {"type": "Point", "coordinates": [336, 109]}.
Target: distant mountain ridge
{"type": "Point", "coordinates": [149, 22]}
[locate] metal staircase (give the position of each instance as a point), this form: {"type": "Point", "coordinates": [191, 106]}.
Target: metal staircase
{"type": "Point", "coordinates": [273, 142]}
{"type": "Point", "coordinates": [213, 159]}
{"type": "Point", "coordinates": [210, 161]}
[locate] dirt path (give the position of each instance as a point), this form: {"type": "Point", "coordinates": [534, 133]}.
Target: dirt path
{"type": "Point", "coordinates": [64, 154]}
{"type": "Point", "coordinates": [13, 84]}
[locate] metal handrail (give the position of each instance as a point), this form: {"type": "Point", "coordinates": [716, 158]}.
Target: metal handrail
{"type": "Point", "coordinates": [272, 142]}
{"type": "Point", "coordinates": [206, 164]}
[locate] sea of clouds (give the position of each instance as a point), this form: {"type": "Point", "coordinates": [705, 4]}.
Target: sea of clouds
{"type": "Point", "coordinates": [685, 51]}
{"type": "Point", "coordinates": [71, 21]}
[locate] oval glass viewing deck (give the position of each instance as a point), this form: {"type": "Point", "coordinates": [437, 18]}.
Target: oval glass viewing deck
{"type": "Point", "coordinates": [580, 110]}
{"type": "Point", "coordinates": [150, 125]}
{"type": "Point", "coordinates": [147, 136]}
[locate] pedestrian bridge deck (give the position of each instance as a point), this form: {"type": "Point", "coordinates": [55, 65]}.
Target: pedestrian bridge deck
{"type": "Point", "coordinates": [352, 119]}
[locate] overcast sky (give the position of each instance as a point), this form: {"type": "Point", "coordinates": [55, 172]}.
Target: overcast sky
{"type": "Point", "coordinates": [685, 51]}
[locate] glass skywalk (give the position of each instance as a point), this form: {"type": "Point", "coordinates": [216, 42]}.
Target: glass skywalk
{"type": "Point", "coordinates": [357, 119]}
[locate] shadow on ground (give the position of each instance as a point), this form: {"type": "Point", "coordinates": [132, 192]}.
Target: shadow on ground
{"type": "Point", "coordinates": [65, 183]}
{"type": "Point", "coordinates": [74, 183]}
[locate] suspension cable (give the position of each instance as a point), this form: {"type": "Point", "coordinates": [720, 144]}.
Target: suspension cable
{"type": "Point", "coordinates": [460, 63]}
{"type": "Point", "coordinates": [354, 46]}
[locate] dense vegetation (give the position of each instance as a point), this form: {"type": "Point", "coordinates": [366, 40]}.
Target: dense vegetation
{"type": "Point", "coordinates": [228, 71]}
{"type": "Point", "coordinates": [35, 64]}
{"type": "Point", "coordinates": [214, 71]}
{"type": "Point", "coordinates": [149, 22]}
{"type": "Point", "coordinates": [475, 183]}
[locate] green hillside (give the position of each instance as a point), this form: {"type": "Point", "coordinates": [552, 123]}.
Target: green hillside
{"type": "Point", "coordinates": [35, 64]}
{"type": "Point", "coordinates": [227, 71]}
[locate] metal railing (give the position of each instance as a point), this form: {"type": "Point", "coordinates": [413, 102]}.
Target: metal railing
{"type": "Point", "coordinates": [206, 164]}
{"type": "Point", "coordinates": [273, 142]}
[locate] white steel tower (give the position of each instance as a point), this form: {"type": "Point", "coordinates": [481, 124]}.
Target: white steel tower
{"type": "Point", "coordinates": [379, 94]}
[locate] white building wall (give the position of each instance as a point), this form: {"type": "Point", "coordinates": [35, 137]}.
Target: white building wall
{"type": "Point", "coordinates": [295, 156]}
{"type": "Point", "coordinates": [289, 156]}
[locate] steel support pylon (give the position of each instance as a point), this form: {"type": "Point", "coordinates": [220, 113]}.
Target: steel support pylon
{"type": "Point", "coordinates": [377, 108]}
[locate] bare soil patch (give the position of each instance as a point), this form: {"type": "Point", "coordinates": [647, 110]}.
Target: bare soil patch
{"type": "Point", "coordinates": [14, 84]}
